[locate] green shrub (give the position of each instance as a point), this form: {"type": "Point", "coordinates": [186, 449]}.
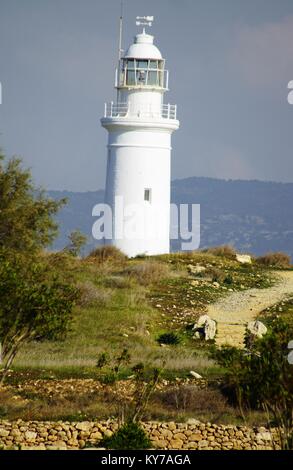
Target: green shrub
{"type": "Point", "coordinates": [168, 338]}
{"type": "Point", "coordinates": [261, 377]}
{"type": "Point", "coordinates": [130, 436]}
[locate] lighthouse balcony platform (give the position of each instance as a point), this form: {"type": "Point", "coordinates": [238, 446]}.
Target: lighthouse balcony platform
{"type": "Point", "coordinates": [120, 110]}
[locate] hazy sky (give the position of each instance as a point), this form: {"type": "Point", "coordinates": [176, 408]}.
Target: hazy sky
{"type": "Point", "coordinates": [229, 60]}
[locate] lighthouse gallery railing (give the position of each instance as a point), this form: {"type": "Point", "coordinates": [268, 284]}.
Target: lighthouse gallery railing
{"type": "Point", "coordinates": [166, 111]}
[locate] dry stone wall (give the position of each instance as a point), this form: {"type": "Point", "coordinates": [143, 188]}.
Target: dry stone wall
{"type": "Point", "coordinates": [193, 435]}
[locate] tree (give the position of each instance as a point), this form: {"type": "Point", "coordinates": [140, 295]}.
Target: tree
{"type": "Point", "coordinates": [35, 304]}
{"type": "Point", "coordinates": [77, 240]}
{"type": "Point", "coordinates": [262, 376]}
{"type": "Point", "coordinates": [26, 214]}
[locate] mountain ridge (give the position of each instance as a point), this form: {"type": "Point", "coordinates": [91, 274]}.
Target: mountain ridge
{"type": "Point", "coordinates": [255, 216]}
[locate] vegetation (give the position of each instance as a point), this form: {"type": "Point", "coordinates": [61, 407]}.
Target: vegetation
{"type": "Point", "coordinates": [263, 378]}
{"type": "Point", "coordinates": [77, 241]}
{"type": "Point", "coordinates": [168, 338]}
{"type": "Point", "coordinates": [107, 253]}
{"type": "Point", "coordinates": [35, 304]}
{"type": "Point", "coordinates": [26, 214]}
{"type": "Point", "coordinates": [275, 260]}
{"type": "Point", "coordinates": [226, 251]}
{"type": "Point", "coordinates": [130, 436]}
{"type": "Point", "coordinates": [94, 337]}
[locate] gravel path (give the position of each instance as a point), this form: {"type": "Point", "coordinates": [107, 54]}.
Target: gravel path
{"type": "Point", "coordinates": [233, 312]}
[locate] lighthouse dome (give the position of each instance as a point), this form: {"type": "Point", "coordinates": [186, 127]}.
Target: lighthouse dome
{"type": "Point", "coordinates": [143, 48]}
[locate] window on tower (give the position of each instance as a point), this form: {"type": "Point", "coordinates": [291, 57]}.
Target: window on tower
{"type": "Point", "coordinates": [142, 72]}
{"type": "Point", "coordinates": [147, 194]}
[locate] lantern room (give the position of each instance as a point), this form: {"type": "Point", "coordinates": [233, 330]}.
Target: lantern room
{"type": "Point", "coordinates": [142, 66]}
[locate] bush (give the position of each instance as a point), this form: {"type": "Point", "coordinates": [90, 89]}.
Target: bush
{"type": "Point", "coordinates": [263, 378]}
{"type": "Point", "coordinates": [148, 272]}
{"type": "Point", "coordinates": [189, 398]}
{"type": "Point", "coordinates": [215, 274]}
{"type": "Point", "coordinates": [118, 282]}
{"type": "Point", "coordinates": [107, 253]}
{"type": "Point", "coordinates": [130, 436]}
{"type": "Point", "coordinates": [168, 338]}
{"type": "Point", "coordinates": [226, 251]}
{"type": "Point", "coordinates": [89, 294]}
{"type": "Point", "coordinates": [275, 260]}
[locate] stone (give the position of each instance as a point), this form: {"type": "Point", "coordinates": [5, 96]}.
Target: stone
{"type": "Point", "coordinates": [167, 433]}
{"type": "Point", "coordinates": [84, 426]}
{"type": "Point", "coordinates": [202, 444]}
{"type": "Point", "coordinates": [97, 435]}
{"type": "Point", "coordinates": [264, 436]}
{"type": "Point", "coordinates": [206, 326]}
{"type": "Point", "coordinates": [179, 436]}
{"type": "Point", "coordinates": [161, 444]}
{"type": "Point", "coordinates": [4, 433]}
{"type": "Point", "coordinates": [195, 374]}
{"type": "Point", "coordinates": [243, 259]}
{"type": "Point", "coordinates": [257, 328]}
{"type": "Point", "coordinates": [172, 426]}
{"type": "Point", "coordinates": [195, 437]}
{"type": "Point", "coordinates": [193, 421]}
{"type": "Point", "coordinates": [30, 436]}
{"type": "Point", "coordinates": [176, 444]}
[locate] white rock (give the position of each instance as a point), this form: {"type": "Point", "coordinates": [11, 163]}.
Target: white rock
{"type": "Point", "coordinates": [30, 436]}
{"type": "Point", "coordinates": [84, 426]}
{"type": "Point", "coordinates": [207, 326]}
{"type": "Point", "coordinates": [244, 259]}
{"type": "Point", "coordinates": [257, 328]}
{"type": "Point", "coordinates": [195, 374]}
{"type": "Point", "coordinates": [264, 436]}
{"type": "Point", "coordinates": [197, 269]}
{"type": "Point", "coordinates": [193, 421]}
{"type": "Point", "coordinates": [201, 321]}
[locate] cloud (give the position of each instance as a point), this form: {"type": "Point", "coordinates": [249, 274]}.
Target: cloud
{"type": "Point", "coordinates": [262, 54]}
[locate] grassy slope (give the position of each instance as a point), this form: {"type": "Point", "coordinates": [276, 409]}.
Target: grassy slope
{"type": "Point", "coordinates": [127, 304]}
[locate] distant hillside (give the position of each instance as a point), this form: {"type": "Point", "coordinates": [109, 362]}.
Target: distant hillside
{"type": "Point", "coordinates": [254, 216]}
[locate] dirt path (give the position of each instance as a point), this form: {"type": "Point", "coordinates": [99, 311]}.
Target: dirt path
{"type": "Point", "coordinates": [233, 312]}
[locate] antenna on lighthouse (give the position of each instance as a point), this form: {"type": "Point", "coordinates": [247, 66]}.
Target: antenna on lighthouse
{"type": "Point", "coordinates": [120, 50]}
{"type": "Point", "coordinates": [144, 21]}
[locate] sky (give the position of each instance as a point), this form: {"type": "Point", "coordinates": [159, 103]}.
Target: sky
{"type": "Point", "coordinates": [230, 62]}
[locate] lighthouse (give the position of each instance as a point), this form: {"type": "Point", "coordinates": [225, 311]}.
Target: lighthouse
{"type": "Point", "coordinates": [140, 125]}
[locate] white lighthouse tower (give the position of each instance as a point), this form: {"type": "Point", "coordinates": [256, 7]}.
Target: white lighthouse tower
{"type": "Point", "coordinates": [139, 150]}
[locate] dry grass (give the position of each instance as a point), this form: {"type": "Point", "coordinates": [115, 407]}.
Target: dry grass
{"type": "Point", "coordinates": [275, 260]}
{"type": "Point", "coordinates": [108, 253]}
{"type": "Point", "coordinates": [191, 398]}
{"type": "Point", "coordinates": [226, 251]}
{"type": "Point", "coordinates": [214, 274]}
{"type": "Point", "coordinates": [148, 272]}
{"type": "Point", "coordinates": [90, 294]}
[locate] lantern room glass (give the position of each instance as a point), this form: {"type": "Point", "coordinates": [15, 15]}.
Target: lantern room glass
{"type": "Point", "coordinates": [142, 72]}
